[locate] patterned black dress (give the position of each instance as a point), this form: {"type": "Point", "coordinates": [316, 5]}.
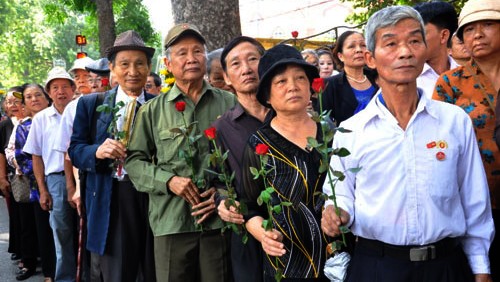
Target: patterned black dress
{"type": "Point", "coordinates": [296, 179]}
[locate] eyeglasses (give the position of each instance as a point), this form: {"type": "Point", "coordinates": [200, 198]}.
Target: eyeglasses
{"type": "Point", "coordinates": [148, 86]}
{"type": "Point", "coordinates": [94, 80]}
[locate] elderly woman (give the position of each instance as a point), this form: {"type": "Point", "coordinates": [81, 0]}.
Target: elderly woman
{"type": "Point", "coordinates": [474, 87]}
{"type": "Point", "coordinates": [349, 92]}
{"type": "Point", "coordinates": [295, 242]}
{"type": "Point", "coordinates": [36, 233]}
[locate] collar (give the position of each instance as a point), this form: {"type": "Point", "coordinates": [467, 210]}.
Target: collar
{"type": "Point", "coordinates": [122, 96]}
{"type": "Point", "coordinates": [428, 68]}
{"type": "Point", "coordinates": [52, 111]}
{"type": "Point", "coordinates": [377, 106]}
{"type": "Point", "coordinates": [175, 92]}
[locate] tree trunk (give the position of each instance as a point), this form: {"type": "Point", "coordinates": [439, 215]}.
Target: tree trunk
{"type": "Point", "coordinates": [106, 25]}
{"type": "Point", "coordinates": [218, 21]}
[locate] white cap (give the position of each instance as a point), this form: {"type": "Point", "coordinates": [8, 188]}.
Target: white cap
{"type": "Point", "coordinates": [80, 64]}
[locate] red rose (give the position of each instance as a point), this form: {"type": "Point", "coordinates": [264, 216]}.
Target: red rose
{"type": "Point", "coordinates": [318, 84]}
{"type": "Point", "coordinates": [210, 133]}
{"type": "Point", "coordinates": [104, 81]}
{"type": "Point", "coordinates": [261, 149]}
{"type": "Point", "coordinates": [180, 106]}
{"type": "Point", "coordinates": [295, 34]}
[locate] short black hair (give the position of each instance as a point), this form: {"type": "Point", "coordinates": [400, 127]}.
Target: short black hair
{"type": "Point", "coordinates": [156, 79]}
{"type": "Point", "coordinates": [440, 14]}
{"type": "Point", "coordinates": [235, 42]}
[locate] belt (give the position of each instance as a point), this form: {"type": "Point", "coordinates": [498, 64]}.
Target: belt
{"type": "Point", "coordinates": [57, 173]}
{"type": "Point", "coordinates": [432, 251]}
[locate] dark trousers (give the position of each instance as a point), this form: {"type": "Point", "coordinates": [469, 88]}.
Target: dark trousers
{"type": "Point", "coordinates": [495, 248]}
{"type": "Point", "coordinates": [195, 256]}
{"type": "Point", "coordinates": [29, 239]}
{"type": "Point", "coordinates": [45, 241]}
{"type": "Point", "coordinates": [246, 259]}
{"type": "Point", "coordinates": [374, 266]}
{"type": "Point", "coordinates": [129, 254]}
{"type": "Point", "coordinates": [14, 226]}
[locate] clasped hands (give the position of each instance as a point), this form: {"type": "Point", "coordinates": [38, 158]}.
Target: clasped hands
{"type": "Point", "coordinates": [186, 189]}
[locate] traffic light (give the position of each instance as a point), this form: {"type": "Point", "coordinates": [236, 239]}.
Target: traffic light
{"type": "Point", "coordinates": [81, 55]}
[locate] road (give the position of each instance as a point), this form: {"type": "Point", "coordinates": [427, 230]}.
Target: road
{"type": "Point", "coordinates": [8, 268]}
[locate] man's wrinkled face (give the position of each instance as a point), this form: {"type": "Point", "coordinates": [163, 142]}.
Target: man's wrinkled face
{"type": "Point", "coordinates": [130, 70]}
{"type": "Point", "coordinates": [399, 54]}
{"type": "Point", "coordinates": [187, 59]}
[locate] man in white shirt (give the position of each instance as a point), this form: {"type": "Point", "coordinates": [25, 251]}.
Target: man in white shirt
{"type": "Point", "coordinates": [441, 21]}
{"type": "Point", "coordinates": [48, 167]}
{"type": "Point", "coordinates": [420, 204]}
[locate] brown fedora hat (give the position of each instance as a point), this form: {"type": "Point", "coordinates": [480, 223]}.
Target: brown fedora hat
{"type": "Point", "coordinates": [129, 40]}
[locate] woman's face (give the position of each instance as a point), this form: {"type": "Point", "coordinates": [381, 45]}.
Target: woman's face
{"type": "Point", "coordinates": [34, 100]}
{"type": "Point", "coordinates": [353, 50]}
{"type": "Point", "coordinates": [482, 38]}
{"type": "Point", "coordinates": [325, 66]}
{"type": "Point", "coordinates": [290, 90]}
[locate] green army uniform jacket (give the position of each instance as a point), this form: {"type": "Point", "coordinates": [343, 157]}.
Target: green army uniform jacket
{"type": "Point", "coordinates": [153, 155]}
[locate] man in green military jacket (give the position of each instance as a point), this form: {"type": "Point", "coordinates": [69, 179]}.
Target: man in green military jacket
{"type": "Point", "coordinates": [188, 241]}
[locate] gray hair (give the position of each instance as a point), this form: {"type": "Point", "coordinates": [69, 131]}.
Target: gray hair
{"type": "Point", "coordinates": [386, 17]}
{"type": "Point", "coordinates": [214, 55]}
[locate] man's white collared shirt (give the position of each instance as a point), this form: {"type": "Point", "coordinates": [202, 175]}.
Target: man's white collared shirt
{"type": "Point", "coordinates": [428, 78]}
{"type": "Point", "coordinates": [41, 139]}
{"type": "Point", "coordinates": [416, 186]}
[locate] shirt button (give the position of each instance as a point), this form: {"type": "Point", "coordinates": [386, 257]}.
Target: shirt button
{"type": "Point", "coordinates": [93, 194]}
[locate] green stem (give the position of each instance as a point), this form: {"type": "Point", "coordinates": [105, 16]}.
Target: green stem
{"type": "Point", "coordinates": [334, 198]}
{"type": "Point", "coordinates": [190, 150]}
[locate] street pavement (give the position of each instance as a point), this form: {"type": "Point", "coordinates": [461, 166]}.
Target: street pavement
{"type": "Point", "coordinates": [8, 268]}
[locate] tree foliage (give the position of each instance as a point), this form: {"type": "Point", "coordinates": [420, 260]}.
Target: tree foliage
{"type": "Point", "coordinates": [35, 32]}
{"type": "Point", "coordinates": [365, 8]}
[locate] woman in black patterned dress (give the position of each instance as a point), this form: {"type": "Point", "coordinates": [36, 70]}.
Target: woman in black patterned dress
{"type": "Point", "coordinates": [296, 238]}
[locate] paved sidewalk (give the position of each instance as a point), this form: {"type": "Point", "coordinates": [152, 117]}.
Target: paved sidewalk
{"type": "Point", "coordinates": [8, 268]}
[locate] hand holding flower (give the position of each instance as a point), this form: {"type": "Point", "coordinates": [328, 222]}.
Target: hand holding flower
{"type": "Point", "coordinates": [272, 243]}
{"type": "Point", "coordinates": [331, 223]}
{"type": "Point", "coordinates": [230, 214]}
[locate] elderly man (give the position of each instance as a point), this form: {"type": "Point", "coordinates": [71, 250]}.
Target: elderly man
{"type": "Point", "coordinates": [215, 72]}
{"type": "Point", "coordinates": [240, 61]}
{"type": "Point", "coordinates": [48, 167]}
{"type": "Point", "coordinates": [119, 237]}
{"type": "Point", "coordinates": [441, 21]}
{"type": "Point", "coordinates": [188, 243]}
{"type": "Point", "coordinates": [153, 85]}
{"type": "Point", "coordinates": [81, 75]}
{"type": "Point", "coordinates": [420, 204]}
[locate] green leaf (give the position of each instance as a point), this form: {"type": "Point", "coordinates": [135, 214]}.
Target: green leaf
{"type": "Point", "coordinates": [341, 152]}
{"type": "Point", "coordinates": [254, 172]}
{"type": "Point", "coordinates": [344, 229]}
{"type": "Point", "coordinates": [277, 209]}
{"type": "Point", "coordinates": [343, 130]}
{"type": "Point", "coordinates": [103, 108]}
{"type": "Point", "coordinates": [286, 204]}
{"type": "Point", "coordinates": [244, 238]}
{"type": "Point", "coordinates": [259, 201]}
{"type": "Point", "coordinates": [323, 167]}
{"type": "Point", "coordinates": [270, 190]}
{"type": "Point", "coordinates": [119, 104]}
{"type": "Point", "coordinates": [265, 196]}
{"type": "Point", "coordinates": [312, 142]}
{"type": "Point", "coordinates": [355, 169]}
{"type": "Point", "coordinates": [339, 174]}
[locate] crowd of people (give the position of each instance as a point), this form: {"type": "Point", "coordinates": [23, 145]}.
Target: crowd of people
{"type": "Point", "coordinates": [230, 174]}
